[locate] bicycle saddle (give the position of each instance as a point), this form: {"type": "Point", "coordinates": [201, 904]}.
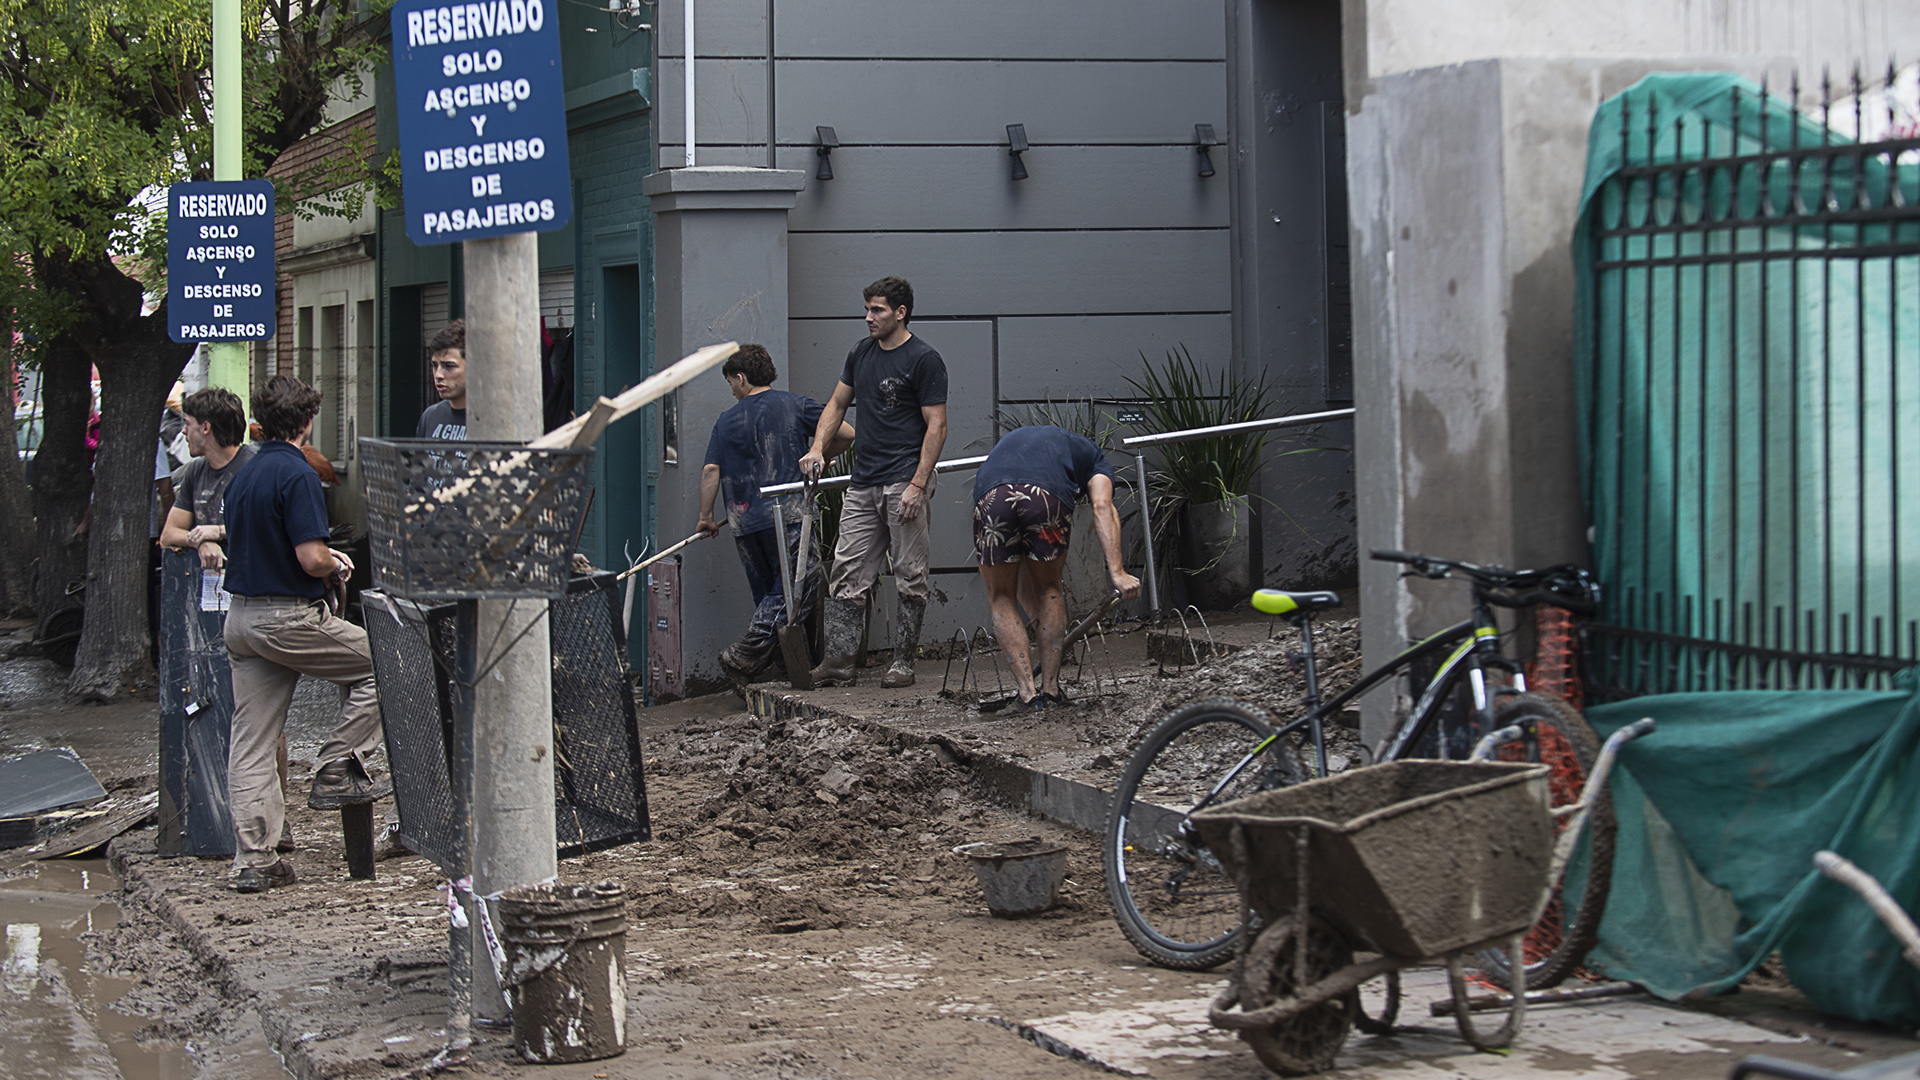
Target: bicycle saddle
{"type": "Point", "coordinates": [1277, 602]}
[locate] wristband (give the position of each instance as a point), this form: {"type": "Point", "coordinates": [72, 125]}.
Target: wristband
{"type": "Point", "coordinates": [915, 483]}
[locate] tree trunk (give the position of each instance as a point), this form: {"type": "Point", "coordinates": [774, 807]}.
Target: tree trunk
{"type": "Point", "coordinates": [138, 365]}
{"type": "Point", "coordinates": [62, 483]}
{"type": "Point", "coordinates": [16, 517]}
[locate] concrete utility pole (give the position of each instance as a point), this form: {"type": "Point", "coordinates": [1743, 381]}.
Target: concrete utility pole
{"type": "Point", "coordinates": [512, 810]}
{"type": "Point", "coordinates": [227, 360]}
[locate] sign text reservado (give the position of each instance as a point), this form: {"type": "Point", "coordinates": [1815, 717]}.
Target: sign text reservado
{"type": "Point", "coordinates": [482, 136]}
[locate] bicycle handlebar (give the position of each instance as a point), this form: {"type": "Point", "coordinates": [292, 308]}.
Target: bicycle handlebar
{"type": "Point", "coordinates": [1565, 585]}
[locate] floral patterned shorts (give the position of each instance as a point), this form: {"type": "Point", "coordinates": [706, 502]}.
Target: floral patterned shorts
{"type": "Point", "coordinates": [1020, 521]}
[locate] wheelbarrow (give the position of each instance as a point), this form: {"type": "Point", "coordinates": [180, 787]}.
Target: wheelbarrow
{"type": "Point", "coordinates": [1416, 862]}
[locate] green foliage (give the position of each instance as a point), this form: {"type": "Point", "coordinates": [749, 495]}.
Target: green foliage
{"type": "Point", "coordinates": [1179, 396]}
{"type": "Point", "coordinates": [1082, 416]}
{"type": "Point", "coordinates": [102, 105]}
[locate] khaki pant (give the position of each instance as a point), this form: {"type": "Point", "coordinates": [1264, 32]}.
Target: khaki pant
{"type": "Point", "coordinates": [272, 641]}
{"type": "Point", "coordinates": [870, 529]}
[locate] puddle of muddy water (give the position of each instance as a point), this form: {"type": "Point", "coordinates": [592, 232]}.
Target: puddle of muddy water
{"type": "Point", "coordinates": [59, 1018]}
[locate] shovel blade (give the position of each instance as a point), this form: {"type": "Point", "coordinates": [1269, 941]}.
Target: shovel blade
{"type": "Point", "coordinates": [798, 658]}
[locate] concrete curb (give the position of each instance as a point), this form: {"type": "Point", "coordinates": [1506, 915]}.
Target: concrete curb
{"type": "Point", "coordinates": [137, 886]}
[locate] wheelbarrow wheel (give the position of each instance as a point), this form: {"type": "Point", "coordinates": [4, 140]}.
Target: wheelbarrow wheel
{"type": "Point", "coordinates": [1561, 939]}
{"type": "Point", "coordinates": [1172, 898]}
{"type": "Point", "coordinates": [1502, 1036]}
{"type": "Point", "coordinates": [1310, 1040]}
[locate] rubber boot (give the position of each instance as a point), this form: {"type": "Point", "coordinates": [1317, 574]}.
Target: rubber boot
{"type": "Point", "coordinates": [842, 634]}
{"type": "Point", "coordinates": [906, 642]}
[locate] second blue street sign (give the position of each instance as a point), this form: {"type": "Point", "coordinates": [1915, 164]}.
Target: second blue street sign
{"type": "Point", "coordinates": [483, 120]}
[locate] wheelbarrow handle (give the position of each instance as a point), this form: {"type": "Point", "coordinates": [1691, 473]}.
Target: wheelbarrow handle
{"type": "Point", "coordinates": [1596, 788]}
{"type": "Point", "coordinates": [1484, 749]}
{"type": "Point", "coordinates": [1841, 869]}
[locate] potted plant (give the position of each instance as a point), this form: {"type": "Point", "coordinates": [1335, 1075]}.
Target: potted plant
{"type": "Point", "coordinates": [1204, 485]}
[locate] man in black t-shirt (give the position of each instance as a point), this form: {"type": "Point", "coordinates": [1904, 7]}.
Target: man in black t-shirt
{"type": "Point", "coordinates": [900, 384]}
{"type": "Point", "coordinates": [216, 431]}
{"type": "Point", "coordinates": [447, 356]}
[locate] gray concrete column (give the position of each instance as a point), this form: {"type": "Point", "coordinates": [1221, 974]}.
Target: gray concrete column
{"type": "Point", "coordinates": [1464, 188]}
{"type": "Point", "coordinates": [720, 257]}
{"type": "Point", "coordinates": [513, 829]}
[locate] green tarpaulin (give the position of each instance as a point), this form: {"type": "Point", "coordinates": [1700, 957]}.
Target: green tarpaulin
{"type": "Point", "coordinates": [1721, 810]}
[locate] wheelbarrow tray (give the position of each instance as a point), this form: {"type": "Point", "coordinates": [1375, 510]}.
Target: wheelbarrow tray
{"type": "Point", "coordinates": [1414, 859]}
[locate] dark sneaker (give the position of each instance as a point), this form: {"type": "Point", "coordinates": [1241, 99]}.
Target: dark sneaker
{"type": "Point", "coordinates": [285, 843]}
{"type": "Point", "coordinates": [344, 781]}
{"type": "Point", "coordinates": [253, 879]}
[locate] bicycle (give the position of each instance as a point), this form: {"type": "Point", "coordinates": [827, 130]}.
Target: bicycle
{"type": "Point", "coordinates": [1171, 896]}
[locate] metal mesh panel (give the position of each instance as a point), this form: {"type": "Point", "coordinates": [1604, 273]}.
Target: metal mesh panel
{"type": "Point", "coordinates": [451, 520]}
{"type": "Point", "coordinates": [600, 797]}
{"type": "Point", "coordinates": [417, 713]}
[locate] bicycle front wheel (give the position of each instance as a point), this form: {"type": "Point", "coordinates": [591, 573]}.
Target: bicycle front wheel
{"type": "Point", "coordinates": [1172, 898]}
{"type": "Point", "coordinates": [1571, 924]}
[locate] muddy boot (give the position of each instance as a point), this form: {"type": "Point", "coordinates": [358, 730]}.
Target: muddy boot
{"type": "Point", "coordinates": [842, 634]}
{"type": "Point", "coordinates": [745, 660]}
{"type": "Point", "coordinates": [906, 642]}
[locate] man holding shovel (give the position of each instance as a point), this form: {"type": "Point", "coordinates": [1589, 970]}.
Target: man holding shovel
{"type": "Point", "coordinates": [756, 443]}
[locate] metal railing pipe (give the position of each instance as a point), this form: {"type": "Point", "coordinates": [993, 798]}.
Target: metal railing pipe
{"type": "Point", "coordinates": [1162, 438]}
{"type": "Point", "coordinates": [829, 483]}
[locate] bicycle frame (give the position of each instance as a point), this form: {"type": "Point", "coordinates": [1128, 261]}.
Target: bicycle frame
{"type": "Point", "coordinates": [1475, 644]}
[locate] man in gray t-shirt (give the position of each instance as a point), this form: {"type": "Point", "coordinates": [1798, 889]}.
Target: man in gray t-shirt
{"type": "Point", "coordinates": [216, 431]}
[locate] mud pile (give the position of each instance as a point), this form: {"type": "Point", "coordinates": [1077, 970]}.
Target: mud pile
{"type": "Point", "coordinates": [874, 809]}
{"type": "Point", "coordinates": [1266, 674]}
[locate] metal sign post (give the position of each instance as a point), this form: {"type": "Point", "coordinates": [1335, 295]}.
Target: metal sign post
{"type": "Point", "coordinates": [220, 261]}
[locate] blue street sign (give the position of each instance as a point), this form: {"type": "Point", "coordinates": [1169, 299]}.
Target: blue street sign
{"type": "Point", "coordinates": [483, 118]}
{"type": "Point", "coordinates": [220, 261]}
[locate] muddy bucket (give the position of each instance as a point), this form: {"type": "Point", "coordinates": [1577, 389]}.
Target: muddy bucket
{"type": "Point", "coordinates": [566, 970]}
{"type": "Point", "coordinates": [1021, 877]}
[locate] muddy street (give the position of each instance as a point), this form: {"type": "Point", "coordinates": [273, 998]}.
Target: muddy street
{"type": "Point", "coordinates": [799, 913]}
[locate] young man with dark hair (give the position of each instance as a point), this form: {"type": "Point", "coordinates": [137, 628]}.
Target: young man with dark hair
{"type": "Point", "coordinates": [216, 433]}
{"type": "Point", "coordinates": [755, 443]}
{"type": "Point", "coordinates": [1023, 500]}
{"type": "Point", "coordinates": [447, 357]}
{"type": "Point", "coordinates": [900, 384]}
{"type": "Point", "coordinates": [279, 629]}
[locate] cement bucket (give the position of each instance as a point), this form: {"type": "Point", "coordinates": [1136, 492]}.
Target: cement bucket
{"type": "Point", "coordinates": [566, 970]}
{"type": "Point", "coordinates": [1021, 877]}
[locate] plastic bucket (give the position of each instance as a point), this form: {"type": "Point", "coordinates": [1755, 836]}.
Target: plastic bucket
{"type": "Point", "coordinates": [1021, 877]}
{"type": "Point", "coordinates": [566, 970]}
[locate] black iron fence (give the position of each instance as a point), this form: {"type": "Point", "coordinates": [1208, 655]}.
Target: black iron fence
{"type": "Point", "coordinates": [1751, 374]}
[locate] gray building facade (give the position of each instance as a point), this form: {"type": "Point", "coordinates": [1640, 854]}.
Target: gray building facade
{"type": "Point", "coordinates": [1050, 287]}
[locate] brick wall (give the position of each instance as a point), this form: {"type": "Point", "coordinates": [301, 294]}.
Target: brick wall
{"type": "Point", "coordinates": [277, 358]}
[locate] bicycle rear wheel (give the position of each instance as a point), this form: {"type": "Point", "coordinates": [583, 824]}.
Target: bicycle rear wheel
{"type": "Point", "coordinates": [1558, 943]}
{"type": "Point", "coordinates": [1171, 897]}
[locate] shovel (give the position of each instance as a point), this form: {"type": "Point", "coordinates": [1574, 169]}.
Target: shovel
{"type": "Point", "coordinates": [793, 637]}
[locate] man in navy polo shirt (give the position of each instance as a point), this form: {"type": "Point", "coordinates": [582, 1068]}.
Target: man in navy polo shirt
{"type": "Point", "coordinates": [279, 629]}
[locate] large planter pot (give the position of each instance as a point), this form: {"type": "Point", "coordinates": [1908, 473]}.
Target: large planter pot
{"type": "Point", "coordinates": [1214, 553]}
